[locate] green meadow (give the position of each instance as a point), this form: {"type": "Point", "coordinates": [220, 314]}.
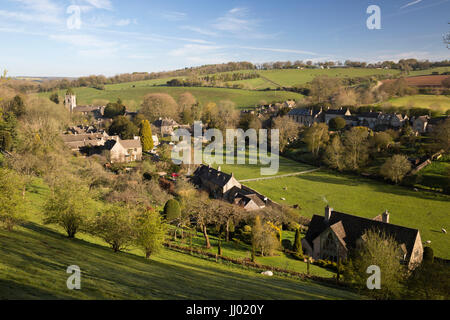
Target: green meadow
{"type": "Point", "coordinates": [422, 101]}
{"type": "Point", "coordinates": [133, 93]}
{"type": "Point", "coordinates": [426, 211]}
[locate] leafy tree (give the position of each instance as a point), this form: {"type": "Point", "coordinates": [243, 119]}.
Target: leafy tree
{"type": "Point", "coordinates": [382, 141]}
{"type": "Point", "coordinates": [115, 225]}
{"type": "Point", "coordinates": [441, 135]}
{"type": "Point", "coordinates": [379, 249]}
{"type": "Point", "coordinates": [298, 243]}
{"type": "Point", "coordinates": [316, 137]}
{"type": "Point", "coordinates": [10, 198]}
{"type": "Point", "coordinates": [172, 210]}
{"type": "Point", "coordinates": [113, 110]}
{"type": "Point", "coordinates": [123, 127]}
{"type": "Point", "coordinates": [323, 88]}
{"type": "Point", "coordinates": [150, 232]}
{"type": "Point", "coordinates": [395, 168]}
{"type": "Point", "coordinates": [356, 147]}
{"type": "Point", "coordinates": [263, 238]}
{"type": "Point", "coordinates": [69, 206]}
{"type": "Point", "coordinates": [334, 154]}
{"type": "Point", "coordinates": [156, 105]}
{"type": "Point", "coordinates": [288, 130]}
{"type": "Point", "coordinates": [337, 124]}
{"type": "Point", "coordinates": [146, 135]}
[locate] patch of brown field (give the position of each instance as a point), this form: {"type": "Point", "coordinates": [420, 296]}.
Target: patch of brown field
{"type": "Point", "coordinates": [423, 81]}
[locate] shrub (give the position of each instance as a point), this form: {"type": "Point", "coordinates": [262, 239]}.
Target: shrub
{"type": "Point", "coordinates": [172, 210]}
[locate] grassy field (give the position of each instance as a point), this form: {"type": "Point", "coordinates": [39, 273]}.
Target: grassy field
{"type": "Point", "coordinates": [34, 259]}
{"type": "Point", "coordinates": [440, 70]}
{"type": "Point", "coordinates": [291, 77]}
{"type": "Point", "coordinates": [133, 96]}
{"type": "Point", "coordinates": [422, 101]}
{"type": "Point", "coordinates": [423, 210]}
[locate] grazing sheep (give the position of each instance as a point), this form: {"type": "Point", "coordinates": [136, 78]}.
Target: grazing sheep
{"type": "Point", "coordinates": [444, 231]}
{"type": "Point", "coordinates": [428, 241]}
{"type": "Point", "coordinates": [267, 273]}
{"type": "Point", "coordinates": [283, 199]}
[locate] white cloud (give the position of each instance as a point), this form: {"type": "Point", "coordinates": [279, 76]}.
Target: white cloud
{"type": "Point", "coordinates": [410, 4]}
{"type": "Point", "coordinates": [174, 15]}
{"type": "Point", "coordinates": [199, 30]}
{"type": "Point", "coordinates": [123, 22]}
{"type": "Point", "coordinates": [100, 4]}
{"type": "Point", "coordinates": [281, 50]}
{"type": "Point", "coordinates": [83, 40]}
{"type": "Point", "coordinates": [193, 49]}
{"type": "Point", "coordinates": [235, 21]}
{"type": "Point", "coordinates": [35, 11]}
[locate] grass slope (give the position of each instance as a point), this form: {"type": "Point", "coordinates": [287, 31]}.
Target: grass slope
{"type": "Point", "coordinates": [34, 259]}
{"type": "Point", "coordinates": [291, 77]}
{"type": "Point", "coordinates": [134, 95]}
{"type": "Point", "coordinates": [422, 101]}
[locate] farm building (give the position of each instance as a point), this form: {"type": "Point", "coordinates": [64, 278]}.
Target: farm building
{"type": "Point", "coordinates": [333, 235]}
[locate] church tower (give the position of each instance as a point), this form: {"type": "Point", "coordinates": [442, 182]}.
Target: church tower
{"type": "Point", "coordinates": [70, 100]}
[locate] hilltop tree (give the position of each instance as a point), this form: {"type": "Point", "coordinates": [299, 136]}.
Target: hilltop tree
{"type": "Point", "coordinates": [395, 168]}
{"type": "Point", "coordinates": [10, 198]}
{"type": "Point", "coordinates": [146, 135]}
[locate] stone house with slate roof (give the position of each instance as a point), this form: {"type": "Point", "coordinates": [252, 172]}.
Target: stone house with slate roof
{"type": "Point", "coordinates": [124, 150]}
{"type": "Point", "coordinates": [333, 113]}
{"type": "Point", "coordinates": [306, 116]}
{"type": "Point", "coordinates": [333, 235]}
{"type": "Point", "coordinates": [224, 186]}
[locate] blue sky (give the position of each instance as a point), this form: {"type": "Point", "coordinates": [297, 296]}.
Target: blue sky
{"type": "Point", "coordinates": [117, 36]}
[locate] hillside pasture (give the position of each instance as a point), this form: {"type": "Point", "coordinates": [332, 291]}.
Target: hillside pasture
{"type": "Point", "coordinates": [422, 101]}
{"type": "Point", "coordinates": [133, 94]}
{"type": "Point", "coordinates": [426, 211]}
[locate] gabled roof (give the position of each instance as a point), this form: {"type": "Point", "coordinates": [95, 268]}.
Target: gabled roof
{"type": "Point", "coordinates": [369, 115]}
{"type": "Point", "coordinates": [165, 123]}
{"type": "Point", "coordinates": [212, 175]}
{"type": "Point", "coordinates": [353, 227]}
{"type": "Point", "coordinates": [337, 111]}
{"type": "Point", "coordinates": [131, 144]}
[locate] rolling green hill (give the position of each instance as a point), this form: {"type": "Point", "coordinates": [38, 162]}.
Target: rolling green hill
{"type": "Point", "coordinates": [132, 94]}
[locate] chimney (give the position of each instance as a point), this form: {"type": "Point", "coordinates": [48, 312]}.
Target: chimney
{"type": "Point", "coordinates": [385, 217]}
{"type": "Point", "coordinates": [328, 211]}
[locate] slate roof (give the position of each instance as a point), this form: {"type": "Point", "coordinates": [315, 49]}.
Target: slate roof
{"type": "Point", "coordinates": [165, 123]}
{"type": "Point", "coordinates": [353, 227]}
{"type": "Point", "coordinates": [212, 175]}
{"type": "Point", "coordinates": [369, 115]}
{"type": "Point", "coordinates": [303, 112]}
{"type": "Point", "coordinates": [336, 111]}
